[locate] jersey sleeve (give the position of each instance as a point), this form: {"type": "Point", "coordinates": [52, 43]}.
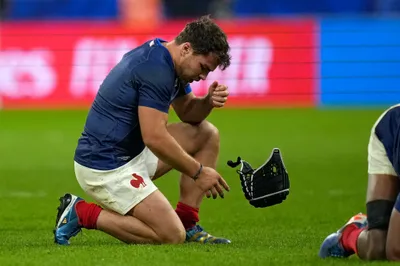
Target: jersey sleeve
{"type": "Point", "coordinates": [155, 91]}
{"type": "Point", "coordinates": [184, 91]}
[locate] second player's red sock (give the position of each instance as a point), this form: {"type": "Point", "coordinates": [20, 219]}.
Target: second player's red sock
{"type": "Point", "coordinates": [349, 237]}
{"type": "Point", "coordinates": [188, 215]}
{"type": "Point", "coordinates": [87, 214]}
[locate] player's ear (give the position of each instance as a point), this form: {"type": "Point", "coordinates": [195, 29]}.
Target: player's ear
{"type": "Point", "coordinates": [186, 49]}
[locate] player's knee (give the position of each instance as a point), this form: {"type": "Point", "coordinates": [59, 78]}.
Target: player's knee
{"type": "Point", "coordinates": [176, 235]}
{"type": "Point", "coordinates": [203, 136]}
{"type": "Point", "coordinates": [208, 133]}
{"type": "Point", "coordinates": [209, 129]}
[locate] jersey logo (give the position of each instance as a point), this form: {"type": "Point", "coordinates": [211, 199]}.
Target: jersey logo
{"type": "Point", "coordinates": [137, 181]}
{"type": "Point", "coordinates": [124, 158]}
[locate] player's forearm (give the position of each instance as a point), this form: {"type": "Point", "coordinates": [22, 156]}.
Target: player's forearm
{"type": "Point", "coordinates": [167, 149]}
{"type": "Point", "coordinates": [197, 110]}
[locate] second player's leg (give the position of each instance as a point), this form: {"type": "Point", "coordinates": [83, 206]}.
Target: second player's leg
{"type": "Point", "coordinates": [366, 235]}
{"type": "Point", "coordinates": [393, 240]}
{"type": "Point", "coordinates": [381, 194]}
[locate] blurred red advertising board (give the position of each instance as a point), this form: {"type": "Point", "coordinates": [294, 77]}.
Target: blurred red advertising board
{"type": "Point", "coordinates": [61, 64]}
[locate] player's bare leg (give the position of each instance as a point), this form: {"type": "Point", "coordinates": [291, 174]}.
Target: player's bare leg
{"type": "Point", "coordinates": [202, 142]}
{"type": "Point", "coordinates": [368, 242]}
{"type": "Point", "coordinates": [371, 243]}
{"type": "Point", "coordinates": [139, 226]}
{"type": "Point", "coordinates": [392, 240]}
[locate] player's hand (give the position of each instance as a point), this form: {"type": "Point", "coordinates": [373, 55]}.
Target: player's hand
{"type": "Point", "coordinates": [218, 94]}
{"type": "Point", "coordinates": [211, 183]}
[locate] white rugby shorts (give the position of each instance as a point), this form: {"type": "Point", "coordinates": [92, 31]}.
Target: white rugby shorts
{"type": "Point", "coordinates": [122, 188]}
{"type": "Point", "coordinates": [378, 161]}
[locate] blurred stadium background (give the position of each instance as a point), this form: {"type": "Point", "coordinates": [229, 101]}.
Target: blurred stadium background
{"type": "Point", "coordinates": [310, 77]}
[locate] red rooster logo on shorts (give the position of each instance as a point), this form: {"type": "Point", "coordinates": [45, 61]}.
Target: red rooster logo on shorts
{"type": "Point", "coordinates": [137, 181]}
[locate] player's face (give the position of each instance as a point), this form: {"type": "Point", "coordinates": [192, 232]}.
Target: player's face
{"type": "Point", "coordinates": [195, 67]}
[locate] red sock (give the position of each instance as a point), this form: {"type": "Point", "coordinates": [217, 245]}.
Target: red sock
{"type": "Point", "coordinates": [349, 237]}
{"type": "Point", "coordinates": [188, 215]}
{"type": "Point", "coordinates": [87, 214]}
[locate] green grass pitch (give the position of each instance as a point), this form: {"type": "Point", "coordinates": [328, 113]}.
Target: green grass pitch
{"type": "Point", "coordinates": [325, 152]}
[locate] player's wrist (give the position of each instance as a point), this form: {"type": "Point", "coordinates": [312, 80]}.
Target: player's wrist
{"type": "Point", "coordinates": [208, 100]}
{"type": "Point", "coordinates": [198, 172]}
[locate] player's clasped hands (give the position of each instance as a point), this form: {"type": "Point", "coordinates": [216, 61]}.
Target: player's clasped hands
{"type": "Point", "coordinates": [218, 94]}
{"type": "Point", "coordinates": [212, 183]}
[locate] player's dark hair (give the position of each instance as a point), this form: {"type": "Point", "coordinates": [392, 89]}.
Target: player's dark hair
{"type": "Point", "coordinates": [206, 37]}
